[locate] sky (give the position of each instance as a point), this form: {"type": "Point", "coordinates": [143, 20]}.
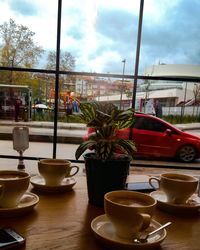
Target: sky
{"type": "Point", "coordinates": [100, 34]}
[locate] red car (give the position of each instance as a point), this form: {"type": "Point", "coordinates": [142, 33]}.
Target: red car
{"type": "Point", "coordinates": [154, 137]}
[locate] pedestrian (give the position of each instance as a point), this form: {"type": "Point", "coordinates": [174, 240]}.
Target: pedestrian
{"type": "Point", "coordinates": [69, 108]}
{"type": "Point", "coordinates": [75, 106]}
{"type": "Point", "coordinates": [17, 104]}
{"type": "Point", "coordinates": [158, 109]}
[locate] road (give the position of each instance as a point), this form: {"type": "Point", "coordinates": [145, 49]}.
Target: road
{"type": "Point", "coordinates": [36, 149]}
{"type": "Point", "coordinates": [195, 132]}
{"type": "Point", "coordinates": [67, 151]}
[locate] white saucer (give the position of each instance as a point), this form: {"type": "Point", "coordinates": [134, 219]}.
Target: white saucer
{"type": "Point", "coordinates": [104, 231]}
{"type": "Point", "coordinates": [38, 183]}
{"type": "Point", "coordinates": [191, 207]}
{"type": "Point", "coordinates": [27, 203]}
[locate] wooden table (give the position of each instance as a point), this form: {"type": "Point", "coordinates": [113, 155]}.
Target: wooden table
{"type": "Point", "coordinates": [62, 221]}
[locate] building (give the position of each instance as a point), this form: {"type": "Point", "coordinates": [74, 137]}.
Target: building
{"type": "Point", "coordinates": [171, 93]}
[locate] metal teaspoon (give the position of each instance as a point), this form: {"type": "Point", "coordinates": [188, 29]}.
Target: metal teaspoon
{"type": "Point", "coordinates": [144, 240]}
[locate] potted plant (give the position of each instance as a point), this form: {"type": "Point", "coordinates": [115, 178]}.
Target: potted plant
{"type": "Point", "coordinates": [107, 166]}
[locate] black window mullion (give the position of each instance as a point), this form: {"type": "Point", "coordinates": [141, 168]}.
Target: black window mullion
{"type": "Point", "coordinates": [57, 78]}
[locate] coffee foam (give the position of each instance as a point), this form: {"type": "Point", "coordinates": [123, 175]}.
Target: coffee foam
{"type": "Point", "coordinates": [10, 176]}
{"type": "Point", "coordinates": [131, 202]}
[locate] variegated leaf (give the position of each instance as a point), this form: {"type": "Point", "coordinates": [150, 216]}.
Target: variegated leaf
{"type": "Point", "coordinates": [83, 147]}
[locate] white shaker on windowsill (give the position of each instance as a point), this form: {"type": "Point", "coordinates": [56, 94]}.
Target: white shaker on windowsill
{"type": "Point", "coordinates": [20, 143]}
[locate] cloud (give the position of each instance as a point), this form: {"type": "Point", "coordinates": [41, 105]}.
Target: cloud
{"type": "Point", "coordinates": [23, 7]}
{"type": "Point", "coordinates": [173, 38]}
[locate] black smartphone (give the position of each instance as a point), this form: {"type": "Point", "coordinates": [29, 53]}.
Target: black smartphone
{"type": "Point", "coordinates": [141, 187]}
{"type": "Point", "coordinates": [9, 238]}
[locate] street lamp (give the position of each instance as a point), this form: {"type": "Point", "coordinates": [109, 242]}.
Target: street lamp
{"type": "Point", "coordinates": [122, 85]}
{"type": "Point", "coordinates": [183, 106]}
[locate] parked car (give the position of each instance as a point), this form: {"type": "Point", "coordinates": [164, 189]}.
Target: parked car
{"type": "Point", "coordinates": [155, 137]}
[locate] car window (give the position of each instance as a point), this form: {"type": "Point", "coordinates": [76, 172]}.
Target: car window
{"type": "Point", "coordinates": [147, 123]}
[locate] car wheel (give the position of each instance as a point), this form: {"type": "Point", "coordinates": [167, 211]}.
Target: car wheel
{"type": "Point", "coordinates": [187, 153]}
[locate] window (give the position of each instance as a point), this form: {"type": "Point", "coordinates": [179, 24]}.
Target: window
{"type": "Point", "coordinates": [98, 47]}
{"type": "Point", "coordinates": [149, 124]}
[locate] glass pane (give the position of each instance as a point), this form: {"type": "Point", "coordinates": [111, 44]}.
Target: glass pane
{"type": "Point", "coordinates": [179, 100]}
{"type": "Point", "coordinates": [100, 34]}
{"type": "Point", "coordinates": [170, 33]}
{"type": "Point", "coordinates": [33, 29]}
{"type": "Point", "coordinates": [26, 104]}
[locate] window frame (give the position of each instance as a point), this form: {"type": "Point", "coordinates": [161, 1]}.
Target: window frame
{"type": "Point", "coordinates": [57, 72]}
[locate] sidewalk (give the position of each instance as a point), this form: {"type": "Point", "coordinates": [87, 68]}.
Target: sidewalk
{"type": "Point", "coordinates": [188, 126]}
{"type": "Point", "coordinates": [66, 133]}
{"type": "Point", "coordinates": [43, 131]}
{"type": "Point", "coordinates": [39, 124]}
{"type": "Point", "coordinates": [78, 126]}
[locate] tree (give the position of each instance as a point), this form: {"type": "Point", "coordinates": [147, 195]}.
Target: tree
{"type": "Point", "coordinates": [67, 61]}
{"type": "Point", "coordinates": [17, 48]}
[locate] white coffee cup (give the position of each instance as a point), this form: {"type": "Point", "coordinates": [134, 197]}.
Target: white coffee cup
{"type": "Point", "coordinates": [130, 212]}
{"type": "Point", "coordinates": [177, 187]}
{"type": "Point", "coordinates": [55, 170]}
{"type": "Point", "coordinates": [14, 185]}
